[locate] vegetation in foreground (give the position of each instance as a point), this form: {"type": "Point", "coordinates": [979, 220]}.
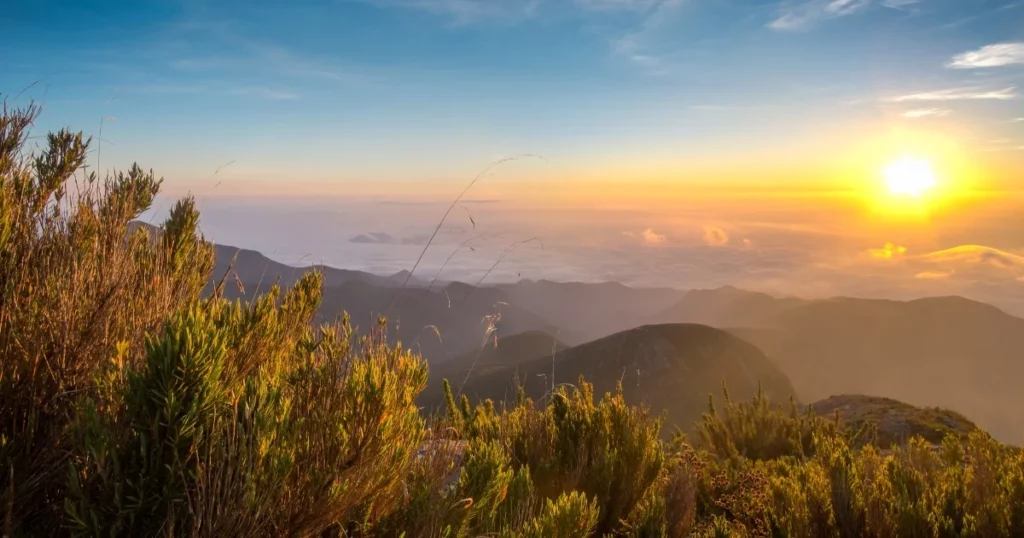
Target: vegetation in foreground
{"type": "Point", "coordinates": [133, 405]}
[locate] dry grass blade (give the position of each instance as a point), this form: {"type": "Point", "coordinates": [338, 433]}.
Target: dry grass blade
{"type": "Point", "coordinates": [444, 217]}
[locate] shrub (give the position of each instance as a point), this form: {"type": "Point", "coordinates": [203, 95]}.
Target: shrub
{"type": "Point", "coordinates": [77, 285]}
{"type": "Point", "coordinates": [757, 431]}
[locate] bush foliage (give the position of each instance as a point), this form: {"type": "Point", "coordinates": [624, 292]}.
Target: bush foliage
{"type": "Point", "coordinates": [133, 405]}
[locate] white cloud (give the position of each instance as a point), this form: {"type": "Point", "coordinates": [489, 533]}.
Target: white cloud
{"type": "Point", "coordinates": [1017, 120]}
{"type": "Point", "coordinates": [998, 55]}
{"type": "Point", "coordinates": [652, 238]}
{"type": "Point", "coordinates": [648, 236]}
{"type": "Point", "coordinates": [926, 113]}
{"type": "Point", "coordinates": [470, 11]}
{"type": "Point", "coordinates": [715, 236]}
{"type": "Point", "coordinates": [798, 16]}
{"type": "Point", "coordinates": [958, 94]}
{"type": "Point", "coordinates": [977, 255]}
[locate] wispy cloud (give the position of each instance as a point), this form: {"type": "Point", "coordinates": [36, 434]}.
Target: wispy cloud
{"type": "Point", "coordinates": [802, 15]}
{"type": "Point", "coordinates": [997, 55]}
{"type": "Point", "coordinates": [1017, 120]}
{"type": "Point", "coordinates": [979, 255]}
{"type": "Point", "coordinates": [934, 275]}
{"type": "Point", "coordinates": [263, 93]}
{"type": "Point", "coordinates": [981, 15]}
{"type": "Point", "coordinates": [468, 11]}
{"type": "Point", "coordinates": [257, 92]}
{"type": "Point", "coordinates": [958, 94]}
{"type": "Point", "coordinates": [919, 113]}
{"type": "Point", "coordinates": [643, 46]}
{"type": "Point", "coordinates": [241, 53]}
{"type": "Point", "coordinates": [899, 4]}
{"type": "Point", "coordinates": [616, 5]}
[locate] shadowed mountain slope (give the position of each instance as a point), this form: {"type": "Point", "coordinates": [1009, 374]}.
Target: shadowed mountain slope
{"type": "Point", "coordinates": [672, 368]}
{"type": "Point", "coordinates": [498, 355]}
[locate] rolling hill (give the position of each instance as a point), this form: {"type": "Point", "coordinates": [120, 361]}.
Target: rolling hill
{"type": "Point", "coordinates": [886, 422]}
{"type": "Point", "coordinates": [672, 368]}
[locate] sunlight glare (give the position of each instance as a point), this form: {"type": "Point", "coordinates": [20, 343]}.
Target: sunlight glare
{"type": "Point", "coordinates": [909, 177]}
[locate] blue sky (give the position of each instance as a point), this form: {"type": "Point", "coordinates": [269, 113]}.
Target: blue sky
{"type": "Point", "coordinates": [301, 126]}
{"type": "Point", "coordinates": [378, 90]}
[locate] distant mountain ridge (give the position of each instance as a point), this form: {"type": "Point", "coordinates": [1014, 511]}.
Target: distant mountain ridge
{"type": "Point", "coordinates": [252, 268]}
{"type": "Point", "coordinates": [947, 352]}
{"type": "Point", "coordinates": [587, 311]}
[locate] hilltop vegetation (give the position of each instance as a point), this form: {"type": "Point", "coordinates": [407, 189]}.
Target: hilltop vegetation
{"type": "Point", "coordinates": [134, 404]}
{"type": "Point", "coordinates": [885, 422]}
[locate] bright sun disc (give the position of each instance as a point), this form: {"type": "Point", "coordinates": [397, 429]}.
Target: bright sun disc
{"type": "Point", "coordinates": [909, 177]}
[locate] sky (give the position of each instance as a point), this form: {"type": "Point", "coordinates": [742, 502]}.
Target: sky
{"type": "Point", "coordinates": [663, 142]}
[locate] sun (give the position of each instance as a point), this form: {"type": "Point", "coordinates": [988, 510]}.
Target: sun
{"type": "Point", "coordinates": [909, 177]}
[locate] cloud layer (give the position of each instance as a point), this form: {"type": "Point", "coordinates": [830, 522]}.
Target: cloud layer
{"type": "Point", "coordinates": [998, 55]}
{"type": "Point", "coordinates": [959, 94]}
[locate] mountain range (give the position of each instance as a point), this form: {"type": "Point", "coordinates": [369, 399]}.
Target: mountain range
{"type": "Point", "coordinates": [947, 352]}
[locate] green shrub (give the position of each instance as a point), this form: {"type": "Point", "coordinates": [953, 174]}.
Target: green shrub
{"type": "Point", "coordinates": [569, 516]}
{"type": "Point", "coordinates": [757, 431]}
{"type": "Point", "coordinates": [77, 285]}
